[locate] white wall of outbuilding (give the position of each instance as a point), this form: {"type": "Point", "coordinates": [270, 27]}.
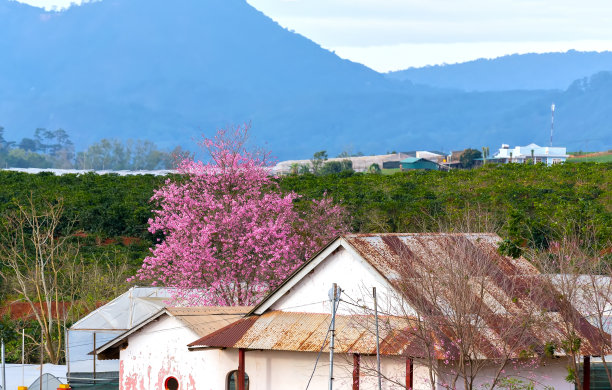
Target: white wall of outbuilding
{"type": "Point", "coordinates": [159, 351]}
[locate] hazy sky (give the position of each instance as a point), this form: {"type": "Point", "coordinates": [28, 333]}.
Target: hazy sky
{"type": "Point", "coordinates": [396, 34]}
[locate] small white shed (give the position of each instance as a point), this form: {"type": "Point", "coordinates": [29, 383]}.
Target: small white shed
{"type": "Point", "coordinates": [104, 324]}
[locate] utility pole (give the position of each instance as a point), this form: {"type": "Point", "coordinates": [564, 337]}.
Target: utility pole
{"type": "Point", "coordinates": [42, 355]}
{"type": "Point", "coordinates": [377, 339]}
{"type": "Point", "coordinates": [3, 367]}
{"type": "Point", "coordinates": [552, 122]}
{"type": "Point", "coordinates": [334, 296]}
{"type": "Point", "coordinates": [66, 352]}
{"type": "Point", "coordinates": [23, 357]}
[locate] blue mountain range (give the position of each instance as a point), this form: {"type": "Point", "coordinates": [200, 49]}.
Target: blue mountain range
{"type": "Point", "coordinates": [517, 71]}
{"type": "Point", "coordinates": [169, 71]}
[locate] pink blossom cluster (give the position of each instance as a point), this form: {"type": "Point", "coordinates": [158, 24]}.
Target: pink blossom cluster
{"type": "Point", "coordinates": [230, 235]}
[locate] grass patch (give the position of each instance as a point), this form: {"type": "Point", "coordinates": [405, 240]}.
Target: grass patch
{"type": "Point", "coordinates": [391, 171]}
{"type": "Point", "coordinates": [604, 158]}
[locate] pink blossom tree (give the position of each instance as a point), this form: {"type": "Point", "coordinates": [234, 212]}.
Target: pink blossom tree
{"type": "Point", "coordinates": [229, 234]}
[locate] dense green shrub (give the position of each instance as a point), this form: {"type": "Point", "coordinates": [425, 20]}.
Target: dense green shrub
{"type": "Point", "coordinates": [526, 204]}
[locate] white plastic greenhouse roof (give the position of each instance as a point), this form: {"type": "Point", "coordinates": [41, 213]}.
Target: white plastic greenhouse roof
{"type": "Point", "coordinates": [125, 311]}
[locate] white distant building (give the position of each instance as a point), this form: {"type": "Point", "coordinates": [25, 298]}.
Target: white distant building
{"type": "Point", "coordinates": [360, 163]}
{"type": "Point", "coordinates": [431, 156]}
{"type": "Point", "coordinates": [541, 154]}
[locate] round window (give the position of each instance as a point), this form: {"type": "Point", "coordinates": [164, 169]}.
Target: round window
{"type": "Point", "coordinates": [171, 384]}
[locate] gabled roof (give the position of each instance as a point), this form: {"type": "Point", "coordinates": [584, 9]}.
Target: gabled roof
{"type": "Point", "coordinates": [127, 310]}
{"type": "Point", "coordinates": [392, 255]}
{"type": "Point", "coordinates": [531, 145]}
{"type": "Point", "coordinates": [201, 320]}
{"type": "Point", "coordinates": [374, 249]}
{"type": "Point", "coordinates": [296, 276]}
{"type": "Point", "coordinates": [381, 251]}
{"type": "Point", "coordinates": [411, 160]}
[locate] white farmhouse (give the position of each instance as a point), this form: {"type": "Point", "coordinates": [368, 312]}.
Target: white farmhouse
{"type": "Point", "coordinates": [538, 154]}
{"type": "Point", "coordinates": [154, 354]}
{"type": "Point", "coordinates": [284, 341]}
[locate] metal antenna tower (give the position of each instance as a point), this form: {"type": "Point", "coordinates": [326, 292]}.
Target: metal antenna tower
{"type": "Point", "coordinates": [552, 121]}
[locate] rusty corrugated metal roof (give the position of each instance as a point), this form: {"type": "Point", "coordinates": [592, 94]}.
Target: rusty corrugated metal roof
{"type": "Point", "coordinates": [205, 320]}
{"type": "Point", "coordinates": [405, 257]}
{"type": "Point", "coordinates": [306, 332]}
{"type": "Point", "coordinates": [402, 259]}
{"type": "Point", "coordinates": [383, 250]}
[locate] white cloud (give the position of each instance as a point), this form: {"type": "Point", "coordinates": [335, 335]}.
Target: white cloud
{"type": "Point", "coordinates": [385, 22]}
{"type": "Point", "coordinates": [396, 34]}
{"type": "Point", "coordinates": [51, 5]}
{"type": "Point", "coordinates": [386, 58]}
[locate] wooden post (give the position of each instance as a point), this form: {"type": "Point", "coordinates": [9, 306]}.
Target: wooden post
{"type": "Point", "coordinates": [42, 357]}
{"type": "Point", "coordinates": [3, 367]}
{"type": "Point", "coordinates": [586, 383]}
{"type": "Point", "coordinates": [241, 369]}
{"type": "Point", "coordinates": [377, 340]}
{"type": "Point", "coordinates": [409, 380]}
{"type": "Point", "coordinates": [66, 352]}
{"type": "Point", "coordinates": [356, 359]}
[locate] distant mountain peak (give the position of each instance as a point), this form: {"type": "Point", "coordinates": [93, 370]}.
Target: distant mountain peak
{"type": "Point", "coordinates": [143, 69]}
{"type": "Point", "coordinates": [532, 71]}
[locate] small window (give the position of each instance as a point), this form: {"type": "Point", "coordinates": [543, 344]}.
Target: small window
{"type": "Point", "coordinates": [171, 384]}
{"type": "Point", "coordinates": [232, 381]}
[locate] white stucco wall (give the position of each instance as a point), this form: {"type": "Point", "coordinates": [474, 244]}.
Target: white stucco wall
{"type": "Point", "coordinates": [277, 370]}
{"type": "Point", "coordinates": [548, 373]}
{"type": "Point", "coordinates": [160, 350]}
{"type": "Point", "coordinates": [155, 352]}
{"type": "Point", "coordinates": [353, 274]}
{"type": "Point", "coordinates": [149, 359]}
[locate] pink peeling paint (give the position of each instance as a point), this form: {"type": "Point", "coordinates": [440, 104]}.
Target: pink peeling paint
{"type": "Point", "coordinates": [127, 382]}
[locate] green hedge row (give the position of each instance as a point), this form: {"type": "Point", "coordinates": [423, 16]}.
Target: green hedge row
{"type": "Point", "coordinates": [525, 202]}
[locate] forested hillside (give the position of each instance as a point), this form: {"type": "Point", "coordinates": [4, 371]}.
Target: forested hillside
{"type": "Point", "coordinates": [522, 201]}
